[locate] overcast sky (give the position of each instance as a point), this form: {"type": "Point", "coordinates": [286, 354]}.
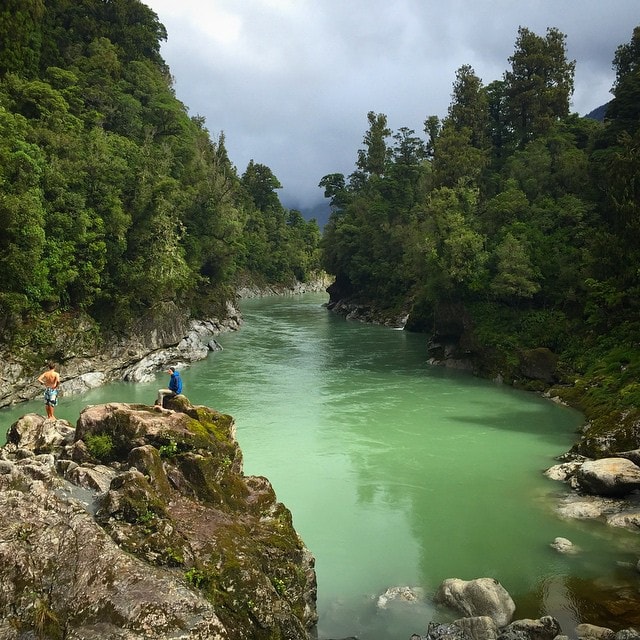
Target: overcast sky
{"type": "Point", "coordinates": [290, 82]}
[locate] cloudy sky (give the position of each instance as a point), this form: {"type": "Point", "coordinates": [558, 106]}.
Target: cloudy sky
{"type": "Point", "coordinates": [290, 82]}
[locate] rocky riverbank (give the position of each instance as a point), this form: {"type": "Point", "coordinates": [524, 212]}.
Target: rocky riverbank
{"type": "Point", "coordinates": [139, 523]}
{"type": "Point", "coordinates": [87, 358]}
{"type": "Point", "coordinates": [607, 489]}
{"type": "Point", "coordinates": [489, 610]}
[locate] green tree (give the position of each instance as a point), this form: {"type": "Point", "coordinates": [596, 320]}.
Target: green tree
{"type": "Point", "coordinates": [457, 161]}
{"type": "Point", "coordinates": [432, 127]}
{"type": "Point", "coordinates": [623, 112]}
{"type": "Point", "coordinates": [22, 211]}
{"type": "Point", "coordinates": [539, 85]}
{"type": "Point", "coordinates": [21, 37]}
{"type": "Point", "coordinates": [514, 278]}
{"type": "Point", "coordinates": [335, 189]}
{"type": "Point", "coordinates": [261, 185]}
{"type": "Point", "coordinates": [469, 106]}
{"type": "Point", "coordinates": [498, 129]}
{"type": "Point", "coordinates": [372, 160]}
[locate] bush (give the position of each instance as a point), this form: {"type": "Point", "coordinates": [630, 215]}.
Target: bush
{"type": "Point", "coordinates": [100, 446]}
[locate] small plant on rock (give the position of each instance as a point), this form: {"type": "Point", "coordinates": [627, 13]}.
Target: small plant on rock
{"type": "Point", "coordinates": [169, 450]}
{"type": "Point", "coordinates": [279, 586]}
{"type": "Point", "coordinates": [100, 445]}
{"type": "Point", "coordinates": [196, 577]}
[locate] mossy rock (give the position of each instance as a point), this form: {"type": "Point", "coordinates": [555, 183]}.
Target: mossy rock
{"type": "Point", "coordinates": [213, 481]}
{"type": "Point", "coordinates": [610, 434]}
{"type": "Point", "coordinates": [256, 587]}
{"type": "Point", "coordinates": [131, 497]}
{"type": "Point", "coordinates": [147, 460]}
{"type": "Point", "coordinates": [538, 364]}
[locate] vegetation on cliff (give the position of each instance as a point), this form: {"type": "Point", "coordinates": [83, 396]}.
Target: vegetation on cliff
{"type": "Point", "coordinates": [112, 198]}
{"type": "Point", "coordinates": [510, 231]}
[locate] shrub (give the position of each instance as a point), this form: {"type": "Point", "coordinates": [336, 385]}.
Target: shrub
{"type": "Point", "coordinates": [100, 446]}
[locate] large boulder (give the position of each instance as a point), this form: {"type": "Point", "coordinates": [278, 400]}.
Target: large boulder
{"type": "Point", "coordinates": [63, 576]}
{"type": "Point", "coordinates": [609, 477]}
{"type": "Point", "coordinates": [39, 434]}
{"type": "Point", "coordinates": [479, 597]}
{"type": "Point", "coordinates": [145, 526]}
{"type": "Point", "coordinates": [538, 364]}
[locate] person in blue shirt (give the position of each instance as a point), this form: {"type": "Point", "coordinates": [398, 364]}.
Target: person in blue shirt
{"type": "Point", "coordinates": [175, 386]}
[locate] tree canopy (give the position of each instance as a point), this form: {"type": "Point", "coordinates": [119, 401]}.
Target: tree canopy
{"type": "Point", "coordinates": [112, 198]}
{"type": "Point", "coordinates": [512, 206]}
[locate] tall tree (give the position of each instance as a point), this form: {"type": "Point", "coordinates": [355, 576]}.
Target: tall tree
{"type": "Point", "coordinates": [469, 106]}
{"type": "Point", "coordinates": [261, 186]}
{"type": "Point", "coordinates": [623, 112]}
{"type": "Point", "coordinates": [540, 83]}
{"type": "Point", "coordinates": [373, 158]}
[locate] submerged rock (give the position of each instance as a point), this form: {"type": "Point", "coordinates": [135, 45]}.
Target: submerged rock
{"type": "Point", "coordinates": [400, 594]}
{"type": "Point", "coordinates": [182, 544]}
{"type": "Point", "coordinates": [562, 545]}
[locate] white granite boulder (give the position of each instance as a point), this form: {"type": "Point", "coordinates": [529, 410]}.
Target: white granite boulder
{"type": "Point", "coordinates": [479, 597]}
{"type": "Point", "coordinates": [609, 477]}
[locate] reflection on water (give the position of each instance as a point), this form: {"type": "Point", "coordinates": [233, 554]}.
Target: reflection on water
{"type": "Point", "coordinates": [397, 473]}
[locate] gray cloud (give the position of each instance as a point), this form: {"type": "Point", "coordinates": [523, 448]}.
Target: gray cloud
{"type": "Point", "coordinates": [290, 81]}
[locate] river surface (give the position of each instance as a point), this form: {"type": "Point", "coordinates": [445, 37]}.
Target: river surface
{"type": "Point", "coordinates": [397, 473]}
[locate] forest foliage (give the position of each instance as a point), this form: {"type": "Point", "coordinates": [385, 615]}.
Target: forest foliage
{"type": "Point", "coordinates": [513, 208]}
{"type": "Point", "coordinates": [112, 198]}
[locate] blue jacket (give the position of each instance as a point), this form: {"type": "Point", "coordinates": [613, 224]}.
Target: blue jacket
{"type": "Point", "coordinates": [175, 382]}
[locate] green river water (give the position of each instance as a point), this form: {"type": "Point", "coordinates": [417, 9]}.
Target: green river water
{"type": "Point", "coordinates": [397, 473]}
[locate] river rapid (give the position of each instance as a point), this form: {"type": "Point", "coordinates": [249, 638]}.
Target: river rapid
{"type": "Point", "coordinates": [398, 473]}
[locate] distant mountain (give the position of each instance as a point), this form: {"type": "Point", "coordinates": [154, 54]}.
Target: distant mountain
{"type": "Point", "coordinates": [598, 113]}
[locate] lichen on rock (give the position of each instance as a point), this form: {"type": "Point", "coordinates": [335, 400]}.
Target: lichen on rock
{"type": "Point", "coordinates": [181, 543]}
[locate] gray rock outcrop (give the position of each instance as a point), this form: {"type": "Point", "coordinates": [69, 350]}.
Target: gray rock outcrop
{"type": "Point", "coordinates": [140, 524]}
{"type": "Point", "coordinates": [606, 489]}
{"type": "Point", "coordinates": [484, 628]}
{"type": "Point", "coordinates": [545, 628]}
{"type": "Point", "coordinates": [165, 334]}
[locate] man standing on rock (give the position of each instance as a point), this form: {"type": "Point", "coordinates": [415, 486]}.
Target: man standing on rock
{"type": "Point", "coordinates": [51, 380]}
{"type": "Point", "coordinates": [175, 386]}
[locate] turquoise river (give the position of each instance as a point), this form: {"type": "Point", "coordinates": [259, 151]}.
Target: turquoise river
{"type": "Point", "coordinates": [398, 473]}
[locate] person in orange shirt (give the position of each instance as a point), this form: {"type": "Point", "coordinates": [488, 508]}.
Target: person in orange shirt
{"type": "Point", "coordinates": [51, 380]}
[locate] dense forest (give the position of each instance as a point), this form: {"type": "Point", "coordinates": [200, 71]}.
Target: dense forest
{"type": "Point", "coordinates": [513, 226]}
{"type": "Point", "coordinates": [112, 198]}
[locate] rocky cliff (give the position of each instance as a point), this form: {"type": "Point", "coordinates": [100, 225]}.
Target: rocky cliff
{"type": "Point", "coordinates": [139, 523]}
{"type": "Point", "coordinates": [88, 357]}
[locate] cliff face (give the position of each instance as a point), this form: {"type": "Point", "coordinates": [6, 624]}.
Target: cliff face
{"type": "Point", "coordinates": [139, 523]}
{"type": "Point", "coordinates": [87, 357]}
